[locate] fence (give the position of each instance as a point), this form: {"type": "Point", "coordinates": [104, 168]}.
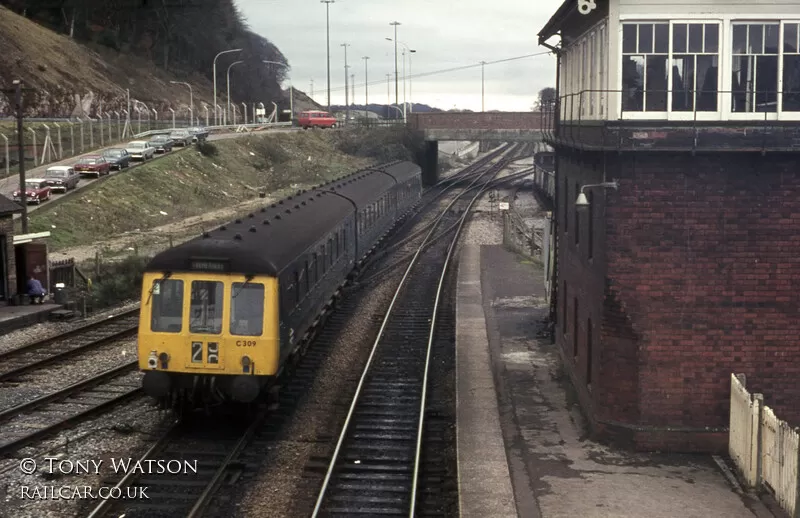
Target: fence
{"type": "Point", "coordinates": [62, 272]}
{"type": "Point", "coordinates": [764, 448]}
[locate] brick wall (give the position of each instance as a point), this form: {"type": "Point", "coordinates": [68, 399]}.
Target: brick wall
{"type": "Point", "coordinates": [485, 121]}
{"type": "Point", "coordinates": [7, 229]}
{"type": "Point", "coordinates": [695, 275]}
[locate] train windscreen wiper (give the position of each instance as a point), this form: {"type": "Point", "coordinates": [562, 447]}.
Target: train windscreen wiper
{"type": "Point", "coordinates": [166, 276]}
{"type": "Point", "coordinates": [247, 280]}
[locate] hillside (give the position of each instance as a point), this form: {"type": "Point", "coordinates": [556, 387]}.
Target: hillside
{"type": "Point", "coordinates": [70, 77]}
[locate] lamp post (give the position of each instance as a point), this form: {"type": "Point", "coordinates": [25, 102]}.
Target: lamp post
{"type": "Point", "coordinates": [346, 85]}
{"type": "Point", "coordinates": [366, 82]}
{"type": "Point", "coordinates": [410, 51]}
{"type": "Point", "coordinates": [328, 36]}
{"type": "Point", "coordinates": [388, 94]}
{"type": "Point", "coordinates": [396, 86]}
{"type": "Point", "coordinates": [483, 87]}
{"type": "Point", "coordinates": [228, 75]}
{"type": "Point", "coordinates": [216, 120]}
{"type": "Point", "coordinates": [191, 99]}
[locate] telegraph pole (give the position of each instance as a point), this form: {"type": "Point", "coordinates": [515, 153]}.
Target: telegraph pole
{"type": "Point", "coordinates": [312, 89]}
{"type": "Point", "coordinates": [483, 88]}
{"type": "Point", "coordinates": [328, 33]}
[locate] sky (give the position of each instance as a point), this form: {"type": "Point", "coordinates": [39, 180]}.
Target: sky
{"type": "Point", "coordinates": [446, 34]}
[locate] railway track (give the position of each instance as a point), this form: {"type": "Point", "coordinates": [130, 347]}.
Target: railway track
{"type": "Point", "coordinates": [224, 452]}
{"type": "Point", "coordinates": [20, 361]}
{"type": "Point", "coordinates": [375, 467]}
{"type": "Point", "coordinates": [31, 421]}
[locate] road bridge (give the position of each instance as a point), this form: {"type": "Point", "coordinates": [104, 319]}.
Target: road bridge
{"type": "Point", "coordinates": [469, 126]}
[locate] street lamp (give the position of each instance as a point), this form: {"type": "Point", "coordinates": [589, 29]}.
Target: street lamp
{"type": "Point", "coordinates": [366, 82]}
{"type": "Point", "coordinates": [396, 87]}
{"type": "Point", "coordinates": [410, 50]}
{"type": "Point", "coordinates": [191, 100]}
{"type": "Point", "coordinates": [216, 121]}
{"type": "Point", "coordinates": [291, 87]}
{"type": "Point", "coordinates": [328, 36]}
{"type": "Point", "coordinates": [346, 85]}
{"type": "Point", "coordinates": [228, 111]}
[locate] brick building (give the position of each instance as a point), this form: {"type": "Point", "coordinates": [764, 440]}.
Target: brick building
{"type": "Point", "coordinates": [8, 265]}
{"type": "Point", "coordinates": [689, 269]}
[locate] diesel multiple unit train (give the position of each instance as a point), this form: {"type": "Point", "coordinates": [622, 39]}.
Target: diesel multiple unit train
{"type": "Point", "coordinates": [222, 313]}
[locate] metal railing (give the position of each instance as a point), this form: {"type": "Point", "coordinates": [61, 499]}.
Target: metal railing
{"type": "Point", "coordinates": [582, 120]}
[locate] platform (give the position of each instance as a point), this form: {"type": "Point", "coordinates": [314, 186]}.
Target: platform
{"type": "Point", "coordinates": [16, 317]}
{"type": "Point", "coordinates": [523, 448]}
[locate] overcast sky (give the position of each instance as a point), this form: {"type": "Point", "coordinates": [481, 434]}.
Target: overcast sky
{"type": "Point", "coordinates": [445, 33]}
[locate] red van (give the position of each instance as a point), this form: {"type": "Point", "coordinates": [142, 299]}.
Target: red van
{"type": "Point", "coordinates": [316, 118]}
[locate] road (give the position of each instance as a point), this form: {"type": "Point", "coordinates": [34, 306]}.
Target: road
{"type": "Point", "coordinates": [11, 184]}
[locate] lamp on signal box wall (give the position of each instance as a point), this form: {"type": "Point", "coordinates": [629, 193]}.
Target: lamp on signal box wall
{"type": "Point", "coordinates": [583, 203]}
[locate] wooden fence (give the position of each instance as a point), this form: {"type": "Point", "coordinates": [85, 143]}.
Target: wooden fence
{"type": "Point", "coordinates": [764, 448]}
{"type": "Point", "coordinates": [62, 272]}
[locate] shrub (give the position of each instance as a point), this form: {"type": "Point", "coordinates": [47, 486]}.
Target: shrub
{"type": "Point", "coordinates": [118, 282]}
{"type": "Point", "coordinates": [207, 148]}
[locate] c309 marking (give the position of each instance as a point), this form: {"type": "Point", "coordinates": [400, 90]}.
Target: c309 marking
{"type": "Point", "coordinates": [245, 343]}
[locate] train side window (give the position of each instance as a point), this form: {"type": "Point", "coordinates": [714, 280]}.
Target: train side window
{"type": "Point", "coordinates": [324, 260]}
{"type": "Point", "coordinates": [344, 238]}
{"type": "Point", "coordinates": [338, 252]}
{"type": "Point", "coordinates": [247, 309]}
{"type": "Point", "coordinates": [166, 314]}
{"type": "Point", "coordinates": [306, 280]}
{"type": "Point", "coordinates": [296, 287]}
{"type": "Point", "coordinates": [205, 309]}
{"type": "Point", "coordinates": [330, 252]}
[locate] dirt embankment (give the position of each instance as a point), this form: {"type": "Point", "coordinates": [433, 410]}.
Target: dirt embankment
{"type": "Point", "coordinates": [175, 198]}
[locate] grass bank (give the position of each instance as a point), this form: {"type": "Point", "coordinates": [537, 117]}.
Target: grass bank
{"type": "Point", "coordinates": [191, 184]}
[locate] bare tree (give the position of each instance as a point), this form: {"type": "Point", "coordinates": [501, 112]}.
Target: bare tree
{"type": "Point", "coordinates": [546, 99]}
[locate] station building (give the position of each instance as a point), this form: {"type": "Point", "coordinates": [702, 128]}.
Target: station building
{"type": "Point", "coordinates": [685, 265]}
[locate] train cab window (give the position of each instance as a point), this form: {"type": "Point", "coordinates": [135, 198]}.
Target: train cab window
{"type": "Point", "coordinates": [205, 310]}
{"type": "Point", "coordinates": [166, 315]}
{"type": "Point", "coordinates": [247, 309]}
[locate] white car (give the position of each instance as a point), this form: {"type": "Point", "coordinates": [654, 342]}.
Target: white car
{"type": "Point", "coordinates": [140, 150]}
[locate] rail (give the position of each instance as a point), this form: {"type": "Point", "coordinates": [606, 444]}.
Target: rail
{"type": "Point", "coordinates": [385, 391]}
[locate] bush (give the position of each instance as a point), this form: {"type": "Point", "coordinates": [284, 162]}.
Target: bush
{"type": "Point", "coordinates": [118, 282]}
{"type": "Point", "coordinates": [207, 148]}
{"type": "Point", "coordinates": [382, 144]}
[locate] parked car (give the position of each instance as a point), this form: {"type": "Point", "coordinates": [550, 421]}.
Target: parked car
{"type": "Point", "coordinates": [162, 143]}
{"type": "Point", "coordinates": [61, 178]}
{"type": "Point", "coordinates": [140, 150]}
{"type": "Point", "coordinates": [316, 119]}
{"type": "Point", "coordinates": [181, 138]}
{"type": "Point", "coordinates": [117, 158]}
{"type": "Point", "coordinates": [198, 133]}
{"type": "Point", "coordinates": [36, 191]}
{"type": "Point", "coordinates": [92, 164]}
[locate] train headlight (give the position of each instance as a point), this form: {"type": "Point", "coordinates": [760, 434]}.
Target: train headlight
{"type": "Point", "coordinates": [246, 363]}
{"type": "Point", "coordinates": [164, 359]}
{"type": "Point", "coordinates": [152, 361]}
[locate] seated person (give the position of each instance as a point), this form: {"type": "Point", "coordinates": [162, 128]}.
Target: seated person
{"type": "Point", "coordinates": [36, 291]}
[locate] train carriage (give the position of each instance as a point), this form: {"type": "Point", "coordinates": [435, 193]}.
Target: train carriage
{"type": "Point", "coordinates": [222, 313]}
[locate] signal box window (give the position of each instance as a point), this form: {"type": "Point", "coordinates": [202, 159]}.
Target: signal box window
{"type": "Point", "coordinates": [205, 311]}
{"type": "Point", "coordinates": [247, 309]}
{"type": "Point", "coordinates": [166, 315]}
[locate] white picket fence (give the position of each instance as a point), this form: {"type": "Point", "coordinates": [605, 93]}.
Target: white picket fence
{"type": "Point", "coordinates": [764, 448]}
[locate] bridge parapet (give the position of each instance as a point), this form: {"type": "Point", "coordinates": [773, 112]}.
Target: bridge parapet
{"type": "Point", "coordinates": [530, 121]}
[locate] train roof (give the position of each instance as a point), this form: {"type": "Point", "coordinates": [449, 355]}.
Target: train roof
{"type": "Point", "coordinates": [247, 245]}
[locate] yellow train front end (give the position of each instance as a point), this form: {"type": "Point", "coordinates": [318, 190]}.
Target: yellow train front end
{"type": "Point", "coordinates": [206, 337]}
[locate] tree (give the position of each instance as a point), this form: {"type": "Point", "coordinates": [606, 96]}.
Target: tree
{"type": "Point", "coordinates": [546, 99]}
